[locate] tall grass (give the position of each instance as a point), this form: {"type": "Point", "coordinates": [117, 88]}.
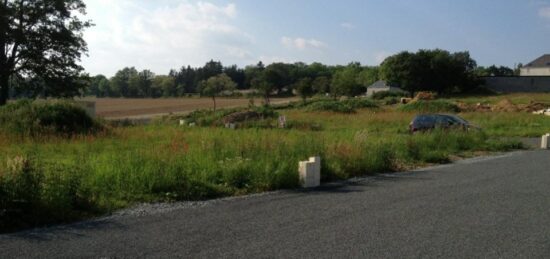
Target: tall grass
{"type": "Point", "coordinates": [430, 106]}
{"type": "Point", "coordinates": [52, 179]}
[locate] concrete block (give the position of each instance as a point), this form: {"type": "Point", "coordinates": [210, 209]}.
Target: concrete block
{"type": "Point", "coordinates": [545, 143]}
{"type": "Point", "coordinates": [230, 125]}
{"type": "Point", "coordinates": [310, 172]}
{"type": "Point", "coordinates": [282, 121]}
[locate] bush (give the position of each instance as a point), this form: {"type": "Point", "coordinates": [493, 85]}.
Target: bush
{"type": "Point", "coordinates": [345, 106]}
{"type": "Point", "coordinates": [208, 117]}
{"type": "Point", "coordinates": [30, 118]}
{"type": "Point", "coordinates": [430, 106]}
{"type": "Point", "coordinates": [384, 94]}
{"type": "Point", "coordinates": [391, 101]}
{"type": "Point", "coordinates": [330, 105]}
{"type": "Point", "coordinates": [360, 103]}
{"type": "Point", "coordinates": [236, 115]}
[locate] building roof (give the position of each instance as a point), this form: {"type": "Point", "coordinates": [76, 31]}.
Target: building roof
{"type": "Point", "coordinates": [543, 61]}
{"type": "Point", "coordinates": [380, 84]}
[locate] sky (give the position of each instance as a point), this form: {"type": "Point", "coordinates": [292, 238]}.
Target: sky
{"type": "Point", "coordinates": [160, 35]}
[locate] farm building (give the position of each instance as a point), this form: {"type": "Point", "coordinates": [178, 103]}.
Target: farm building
{"type": "Point", "coordinates": [381, 86]}
{"type": "Point", "coordinates": [534, 78]}
{"type": "Point", "coordinates": [538, 67]}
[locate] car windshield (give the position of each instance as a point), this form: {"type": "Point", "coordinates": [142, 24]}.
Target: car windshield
{"type": "Point", "coordinates": [457, 119]}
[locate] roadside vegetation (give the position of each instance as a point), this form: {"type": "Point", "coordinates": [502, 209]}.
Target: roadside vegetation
{"type": "Point", "coordinates": [57, 164]}
{"type": "Point", "coordinates": [49, 177]}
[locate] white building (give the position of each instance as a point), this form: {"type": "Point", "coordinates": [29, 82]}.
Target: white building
{"type": "Point", "coordinates": [539, 67]}
{"type": "Point", "coordinates": [381, 86]}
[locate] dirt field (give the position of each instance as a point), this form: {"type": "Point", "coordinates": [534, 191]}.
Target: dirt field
{"type": "Point", "coordinates": [116, 108]}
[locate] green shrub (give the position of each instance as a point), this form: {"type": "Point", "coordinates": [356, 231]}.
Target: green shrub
{"type": "Point", "coordinates": [430, 106]}
{"type": "Point", "coordinates": [384, 94]}
{"type": "Point", "coordinates": [390, 100]}
{"type": "Point", "coordinates": [19, 192]}
{"type": "Point", "coordinates": [330, 105]}
{"type": "Point", "coordinates": [359, 103]}
{"type": "Point", "coordinates": [42, 118]}
{"type": "Point", "coordinates": [207, 118]}
{"type": "Point", "coordinates": [343, 106]}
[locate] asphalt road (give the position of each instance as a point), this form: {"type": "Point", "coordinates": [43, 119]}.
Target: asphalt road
{"type": "Point", "coordinates": [492, 208]}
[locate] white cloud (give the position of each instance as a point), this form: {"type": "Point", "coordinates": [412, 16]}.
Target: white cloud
{"type": "Point", "coordinates": [163, 36]}
{"type": "Point", "coordinates": [301, 43]}
{"type": "Point", "coordinates": [347, 25]}
{"type": "Point", "coordinates": [544, 12]}
{"type": "Point", "coordinates": [274, 59]}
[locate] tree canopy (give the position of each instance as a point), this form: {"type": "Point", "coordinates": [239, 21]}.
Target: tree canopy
{"type": "Point", "coordinates": [42, 42]}
{"type": "Point", "coordinates": [346, 81]}
{"type": "Point", "coordinates": [215, 85]}
{"type": "Point", "coordinates": [430, 70]}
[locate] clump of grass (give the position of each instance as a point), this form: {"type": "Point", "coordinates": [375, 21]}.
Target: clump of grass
{"type": "Point", "coordinates": [430, 106]}
{"type": "Point", "coordinates": [330, 105]}
{"type": "Point", "coordinates": [360, 103]}
{"type": "Point", "coordinates": [215, 118]}
{"type": "Point", "coordinates": [385, 94]}
{"type": "Point", "coordinates": [344, 106]}
{"type": "Point", "coordinates": [61, 179]}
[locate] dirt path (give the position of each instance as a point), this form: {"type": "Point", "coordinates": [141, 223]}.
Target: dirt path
{"type": "Point", "coordinates": [118, 108]}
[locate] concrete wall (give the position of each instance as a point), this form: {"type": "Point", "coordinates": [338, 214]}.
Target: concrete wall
{"type": "Point", "coordinates": [528, 84]}
{"type": "Point", "coordinates": [371, 91]}
{"type": "Point", "coordinates": [535, 71]}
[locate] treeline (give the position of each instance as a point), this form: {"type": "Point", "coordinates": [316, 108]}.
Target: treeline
{"type": "Point", "coordinates": [276, 79]}
{"type": "Point", "coordinates": [426, 70]}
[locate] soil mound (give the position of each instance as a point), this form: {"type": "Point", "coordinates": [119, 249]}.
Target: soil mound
{"type": "Point", "coordinates": [535, 106]}
{"type": "Point", "coordinates": [425, 96]}
{"type": "Point", "coordinates": [505, 106]}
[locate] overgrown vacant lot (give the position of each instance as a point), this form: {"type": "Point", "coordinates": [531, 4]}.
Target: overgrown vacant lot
{"type": "Point", "coordinates": [127, 107]}
{"type": "Point", "coordinates": [49, 178]}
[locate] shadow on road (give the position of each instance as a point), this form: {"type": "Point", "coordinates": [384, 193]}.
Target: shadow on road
{"type": "Point", "coordinates": [66, 232]}
{"type": "Point", "coordinates": [357, 184]}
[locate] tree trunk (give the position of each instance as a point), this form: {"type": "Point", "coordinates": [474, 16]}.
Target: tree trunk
{"type": "Point", "coordinates": [4, 89]}
{"type": "Point", "coordinates": [214, 99]}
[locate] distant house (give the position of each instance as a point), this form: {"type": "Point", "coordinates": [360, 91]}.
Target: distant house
{"type": "Point", "coordinates": [538, 67]}
{"type": "Point", "coordinates": [381, 86]}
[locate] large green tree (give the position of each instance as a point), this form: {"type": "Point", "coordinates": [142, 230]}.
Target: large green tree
{"type": "Point", "coordinates": [164, 85]}
{"type": "Point", "coordinates": [42, 40]}
{"type": "Point", "coordinates": [368, 76]}
{"type": "Point", "coordinates": [215, 85]}
{"type": "Point", "coordinates": [346, 81]}
{"type": "Point", "coordinates": [278, 76]}
{"type": "Point", "coordinates": [304, 88]}
{"type": "Point", "coordinates": [430, 70]}
{"type": "Point", "coordinates": [98, 85]}
{"type": "Point", "coordinates": [120, 83]}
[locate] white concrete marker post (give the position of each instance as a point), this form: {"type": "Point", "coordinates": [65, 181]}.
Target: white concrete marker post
{"type": "Point", "coordinates": [310, 172]}
{"type": "Point", "coordinates": [545, 144]}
